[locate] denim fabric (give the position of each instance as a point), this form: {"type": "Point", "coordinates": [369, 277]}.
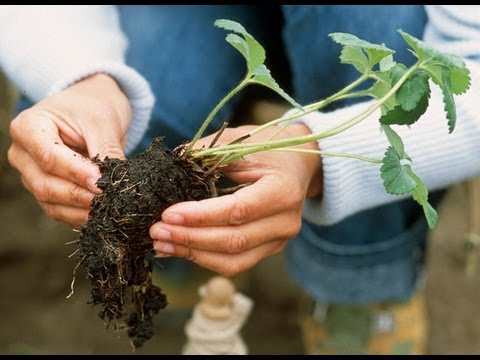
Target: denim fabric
{"type": "Point", "coordinates": [314, 61]}
{"type": "Point", "coordinates": [187, 62]}
{"type": "Point", "coordinates": [372, 256]}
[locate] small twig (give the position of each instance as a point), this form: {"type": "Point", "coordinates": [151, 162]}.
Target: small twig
{"type": "Point", "coordinates": [73, 253]}
{"type": "Point", "coordinates": [71, 242]}
{"type": "Point", "coordinates": [73, 279]}
{"type": "Point", "coordinates": [113, 172]}
{"type": "Point", "coordinates": [219, 133]}
{"type": "Point", "coordinates": [132, 186]}
{"type": "Point", "coordinates": [232, 189]}
{"type": "Point", "coordinates": [212, 188]}
{"type": "Point", "coordinates": [215, 166]}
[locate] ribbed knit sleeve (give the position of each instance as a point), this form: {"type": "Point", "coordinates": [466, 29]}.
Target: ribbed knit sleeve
{"type": "Point", "coordinates": [46, 48]}
{"type": "Point", "coordinates": [439, 158]}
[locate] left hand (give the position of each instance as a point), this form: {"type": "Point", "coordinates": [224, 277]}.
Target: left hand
{"type": "Point", "coordinates": [231, 233]}
{"type": "Point", "coordinates": [53, 141]}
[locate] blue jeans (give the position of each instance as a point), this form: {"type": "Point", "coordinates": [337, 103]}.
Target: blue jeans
{"type": "Point", "coordinates": [375, 255]}
{"type": "Point", "coordinates": [187, 62]}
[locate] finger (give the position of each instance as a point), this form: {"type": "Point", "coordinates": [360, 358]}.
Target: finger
{"type": "Point", "coordinates": [106, 143]}
{"type": "Point", "coordinates": [243, 206]}
{"type": "Point", "coordinates": [227, 265]}
{"type": "Point", "coordinates": [229, 239]}
{"type": "Point", "coordinates": [50, 188]}
{"type": "Point", "coordinates": [47, 149]}
{"type": "Point", "coordinates": [55, 190]}
{"type": "Point", "coordinates": [73, 216]}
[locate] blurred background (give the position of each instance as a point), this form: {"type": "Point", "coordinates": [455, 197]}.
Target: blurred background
{"type": "Point", "coordinates": [36, 273]}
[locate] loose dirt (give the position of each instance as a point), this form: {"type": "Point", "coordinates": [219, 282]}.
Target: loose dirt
{"type": "Point", "coordinates": [114, 244]}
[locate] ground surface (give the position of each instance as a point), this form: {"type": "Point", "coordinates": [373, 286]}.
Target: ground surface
{"type": "Point", "coordinates": [36, 273]}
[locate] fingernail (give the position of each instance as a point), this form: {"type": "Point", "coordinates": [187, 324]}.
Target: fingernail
{"type": "Point", "coordinates": [162, 255]}
{"type": "Point", "coordinates": [163, 247]}
{"type": "Point", "coordinates": [173, 218]}
{"type": "Point", "coordinates": [91, 184]}
{"type": "Point", "coordinates": [162, 234]}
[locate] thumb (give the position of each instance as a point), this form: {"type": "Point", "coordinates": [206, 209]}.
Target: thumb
{"type": "Point", "coordinates": [102, 146]}
{"type": "Point", "coordinates": [106, 144]}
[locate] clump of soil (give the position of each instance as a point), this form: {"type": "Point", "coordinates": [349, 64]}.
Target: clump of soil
{"type": "Point", "coordinates": [113, 245]}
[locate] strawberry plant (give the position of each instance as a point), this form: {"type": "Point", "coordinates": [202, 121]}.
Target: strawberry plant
{"type": "Point", "coordinates": [114, 243]}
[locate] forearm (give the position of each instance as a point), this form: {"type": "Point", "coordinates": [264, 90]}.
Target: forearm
{"type": "Point", "coordinates": [45, 49]}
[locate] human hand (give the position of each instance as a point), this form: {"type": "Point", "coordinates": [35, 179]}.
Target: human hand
{"type": "Point", "coordinates": [53, 140]}
{"type": "Point", "coordinates": [231, 233]}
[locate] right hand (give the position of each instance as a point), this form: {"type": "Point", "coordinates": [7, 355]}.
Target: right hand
{"type": "Point", "coordinates": [53, 140]}
{"type": "Point", "coordinates": [232, 233]}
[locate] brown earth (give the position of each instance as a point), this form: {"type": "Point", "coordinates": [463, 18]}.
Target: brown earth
{"type": "Point", "coordinates": [114, 242]}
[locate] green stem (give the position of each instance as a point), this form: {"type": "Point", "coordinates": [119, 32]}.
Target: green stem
{"type": "Point", "coordinates": [328, 153]}
{"type": "Point", "coordinates": [226, 160]}
{"type": "Point", "coordinates": [214, 112]}
{"type": "Point", "coordinates": [307, 109]}
{"type": "Point", "coordinates": [241, 149]}
{"type": "Point", "coordinates": [355, 120]}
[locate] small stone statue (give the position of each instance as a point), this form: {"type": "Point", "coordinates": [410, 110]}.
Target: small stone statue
{"type": "Point", "coordinates": [214, 327]}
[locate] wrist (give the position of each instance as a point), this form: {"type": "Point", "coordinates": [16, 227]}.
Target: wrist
{"type": "Point", "coordinates": [311, 163]}
{"type": "Point", "coordinates": [112, 99]}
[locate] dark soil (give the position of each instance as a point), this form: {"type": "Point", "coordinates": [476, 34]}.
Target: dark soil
{"type": "Point", "coordinates": [114, 244]}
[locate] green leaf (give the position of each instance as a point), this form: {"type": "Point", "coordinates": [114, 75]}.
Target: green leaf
{"type": "Point", "coordinates": [396, 179]}
{"type": "Point", "coordinates": [387, 63]}
{"type": "Point", "coordinates": [448, 101]}
{"type": "Point", "coordinates": [263, 76]}
{"type": "Point", "coordinates": [399, 179]}
{"type": "Point", "coordinates": [374, 52]}
{"type": "Point", "coordinates": [414, 43]}
{"type": "Point", "coordinates": [459, 76]}
{"type": "Point", "coordinates": [460, 80]}
{"type": "Point", "coordinates": [399, 116]}
{"type": "Point", "coordinates": [238, 43]}
{"type": "Point", "coordinates": [231, 26]}
{"type": "Point", "coordinates": [257, 54]}
{"type": "Point", "coordinates": [413, 90]}
{"type": "Point", "coordinates": [420, 195]}
{"type": "Point", "coordinates": [395, 140]}
{"type": "Point", "coordinates": [386, 79]}
{"type": "Point", "coordinates": [379, 89]}
{"type": "Point", "coordinates": [397, 72]}
{"type": "Point", "coordinates": [355, 56]}
{"type": "Point", "coordinates": [440, 75]}
{"type": "Point", "coordinates": [250, 48]}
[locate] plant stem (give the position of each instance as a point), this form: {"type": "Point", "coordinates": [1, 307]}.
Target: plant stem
{"type": "Point", "coordinates": [215, 110]}
{"type": "Point", "coordinates": [328, 153]}
{"type": "Point", "coordinates": [355, 120]}
{"type": "Point", "coordinates": [239, 150]}
{"type": "Point", "coordinates": [314, 106]}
